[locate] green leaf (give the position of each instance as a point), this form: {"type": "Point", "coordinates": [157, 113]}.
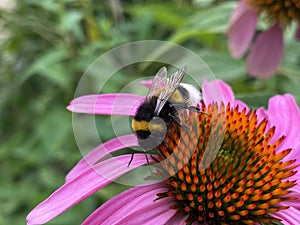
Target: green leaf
{"type": "Point", "coordinates": [211, 20]}
{"type": "Point", "coordinates": [51, 66]}
{"type": "Point", "coordinates": [71, 22]}
{"type": "Point", "coordinates": [170, 15]}
{"type": "Point", "coordinates": [222, 65]}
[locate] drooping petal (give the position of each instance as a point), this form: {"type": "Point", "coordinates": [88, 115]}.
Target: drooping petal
{"type": "Point", "coordinates": [217, 91]}
{"type": "Point", "coordinates": [284, 114]}
{"type": "Point", "coordinates": [125, 204]}
{"type": "Point", "coordinates": [266, 53]}
{"type": "Point", "coordinates": [106, 104]}
{"type": "Point", "coordinates": [297, 34]}
{"type": "Point", "coordinates": [178, 219]}
{"type": "Point", "coordinates": [100, 152]}
{"type": "Point", "coordinates": [82, 186]}
{"type": "Point", "coordinates": [242, 26]}
{"type": "Point", "coordinates": [289, 216]}
{"type": "Point", "coordinates": [157, 213]}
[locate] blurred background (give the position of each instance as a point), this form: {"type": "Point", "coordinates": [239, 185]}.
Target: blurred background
{"type": "Point", "coordinates": [45, 48]}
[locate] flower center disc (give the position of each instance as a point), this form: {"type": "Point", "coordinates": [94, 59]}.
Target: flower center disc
{"type": "Point", "coordinates": [224, 169]}
{"type": "Point", "coordinates": [284, 11]}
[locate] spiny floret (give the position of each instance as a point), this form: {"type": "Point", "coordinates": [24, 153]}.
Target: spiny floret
{"type": "Point", "coordinates": [284, 11]}
{"type": "Point", "coordinates": [225, 170]}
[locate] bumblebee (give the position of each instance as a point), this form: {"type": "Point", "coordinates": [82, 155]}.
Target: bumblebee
{"type": "Point", "coordinates": [164, 103]}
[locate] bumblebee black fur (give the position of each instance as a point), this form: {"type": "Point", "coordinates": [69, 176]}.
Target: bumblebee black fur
{"type": "Point", "coordinates": [163, 106]}
{"type": "Point", "coordinates": [170, 113]}
{"type": "Point", "coordinates": [146, 113]}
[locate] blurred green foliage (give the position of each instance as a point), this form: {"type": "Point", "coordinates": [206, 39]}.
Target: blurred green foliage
{"type": "Point", "coordinates": [45, 48]}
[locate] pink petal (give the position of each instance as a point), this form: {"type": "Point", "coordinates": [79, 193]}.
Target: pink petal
{"type": "Point", "coordinates": [241, 104]}
{"type": "Point", "coordinates": [289, 216]}
{"type": "Point", "coordinates": [146, 83]}
{"type": "Point", "coordinates": [238, 12]}
{"type": "Point", "coordinates": [82, 186]}
{"type": "Point", "coordinates": [266, 53]}
{"type": "Point", "coordinates": [284, 114]}
{"type": "Point", "coordinates": [178, 219]}
{"type": "Point", "coordinates": [261, 115]}
{"type": "Point", "coordinates": [100, 152]}
{"type": "Point", "coordinates": [296, 189]}
{"type": "Point", "coordinates": [295, 154]}
{"type": "Point", "coordinates": [127, 203]}
{"type": "Point", "coordinates": [242, 26]}
{"type": "Point", "coordinates": [294, 203]}
{"type": "Point", "coordinates": [106, 104]}
{"type": "Point", "coordinates": [217, 91]}
{"type": "Point", "coordinates": [297, 34]}
{"type": "Point", "coordinates": [157, 213]}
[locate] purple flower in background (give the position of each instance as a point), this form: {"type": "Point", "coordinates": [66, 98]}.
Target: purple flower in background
{"type": "Point", "coordinates": [252, 178]}
{"type": "Point", "coordinates": [266, 49]}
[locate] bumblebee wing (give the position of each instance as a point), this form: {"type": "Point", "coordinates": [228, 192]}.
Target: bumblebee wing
{"type": "Point", "coordinates": [158, 81]}
{"type": "Point", "coordinates": [171, 86]}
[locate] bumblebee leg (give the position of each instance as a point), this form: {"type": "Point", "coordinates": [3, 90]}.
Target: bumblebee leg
{"type": "Point", "coordinates": [148, 163]}
{"type": "Point", "coordinates": [178, 122]}
{"type": "Point", "coordinates": [179, 106]}
{"type": "Point", "coordinates": [147, 159]}
{"type": "Point", "coordinates": [193, 108]}
{"type": "Point", "coordinates": [130, 161]}
{"type": "Point", "coordinates": [185, 106]}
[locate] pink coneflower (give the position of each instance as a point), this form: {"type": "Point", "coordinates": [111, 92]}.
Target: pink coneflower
{"type": "Point", "coordinates": [266, 50]}
{"type": "Point", "coordinates": [233, 165]}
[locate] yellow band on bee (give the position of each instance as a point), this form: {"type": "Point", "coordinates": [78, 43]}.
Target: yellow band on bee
{"type": "Point", "coordinates": [146, 126]}
{"type": "Point", "coordinates": [176, 97]}
{"type": "Point", "coordinates": [158, 127]}
{"type": "Point", "coordinates": [140, 125]}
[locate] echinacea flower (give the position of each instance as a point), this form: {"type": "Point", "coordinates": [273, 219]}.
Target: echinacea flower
{"type": "Point", "coordinates": [233, 165]}
{"type": "Point", "coordinates": [266, 49]}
